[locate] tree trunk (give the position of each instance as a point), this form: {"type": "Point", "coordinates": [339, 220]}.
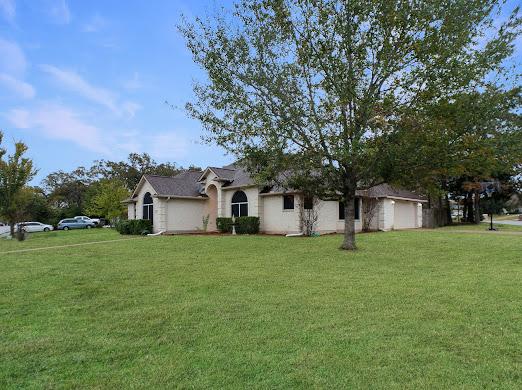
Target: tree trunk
{"type": "Point", "coordinates": [469, 207]}
{"type": "Point", "coordinates": [349, 222]}
{"type": "Point", "coordinates": [477, 207]}
{"type": "Point", "coordinates": [449, 219]}
{"type": "Point", "coordinates": [12, 228]}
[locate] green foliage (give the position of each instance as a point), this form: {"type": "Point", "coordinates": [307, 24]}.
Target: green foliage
{"type": "Point", "coordinates": [134, 226]}
{"type": "Point", "coordinates": [224, 225]}
{"type": "Point", "coordinates": [15, 172]}
{"type": "Point", "coordinates": [244, 225]}
{"type": "Point", "coordinates": [107, 200]}
{"type": "Point", "coordinates": [247, 225]}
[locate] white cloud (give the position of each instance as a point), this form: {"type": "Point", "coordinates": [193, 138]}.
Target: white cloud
{"type": "Point", "coordinates": [168, 145]}
{"type": "Point", "coordinates": [59, 12]}
{"type": "Point", "coordinates": [18, 87]}
{"type": "Point", "coordinates": [13, 66]}
{"type": "Point", "coordinates": [102, 96]}
{"type": "Point", "coordinates": [61, 123]}
{"type": "Point", "coordinates": [8, 10]}
{"type": "Point", "coordinates": [12, 58]}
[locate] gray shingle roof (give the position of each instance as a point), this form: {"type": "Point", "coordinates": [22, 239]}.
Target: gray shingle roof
{"type": "Point", "coordinates": [386, 190]}
{"type": "Point", "coordinates": [224, 173]}
{"type": "Point", "coordinates": [183, 184]}
{"type": "Point", "coordinates": [186, 184]}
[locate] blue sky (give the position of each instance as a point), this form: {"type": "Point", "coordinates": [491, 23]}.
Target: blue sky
{"type": "Point", "coordinates": [85, 80]}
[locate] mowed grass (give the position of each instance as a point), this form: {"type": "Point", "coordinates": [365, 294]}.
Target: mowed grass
{"type": "Point", "coordinates": [483, 227]}
{"type": "Point", "coordinates": [409, 309]}
{"type": "Point", "coordinates": [60, 237]}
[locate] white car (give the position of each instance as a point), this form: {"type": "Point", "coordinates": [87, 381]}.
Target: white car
{"type": "Point", "coordinates": [33, 227]}
{"type": "Point", "coordinates": [95, 221]}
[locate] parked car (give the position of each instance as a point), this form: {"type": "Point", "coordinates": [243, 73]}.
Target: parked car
{"type": "Point", "coordinates": [71, 223]}
{"type": "Point", "coordinates": [96, 221]}
{"type": "Point", "coordinates": [32, 227]}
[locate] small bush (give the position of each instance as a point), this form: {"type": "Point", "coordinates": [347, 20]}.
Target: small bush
{"type": "Point", "coordinates": [134, 227]}
{"type": "Point", "coordinates": [244, 225]}
{"type": "Point", "coordinates": [247, 225]}
{"type": "Point", "coordinates": [224, 225]}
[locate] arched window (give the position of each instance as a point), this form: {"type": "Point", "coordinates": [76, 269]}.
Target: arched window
{"type": "Point", "coordinates": [239, 204]}
{"type": "Point", "coordinates": [148, 208]}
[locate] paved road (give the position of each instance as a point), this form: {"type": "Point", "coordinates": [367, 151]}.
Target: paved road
{"type": "Point", "coordinates": [514, 223]}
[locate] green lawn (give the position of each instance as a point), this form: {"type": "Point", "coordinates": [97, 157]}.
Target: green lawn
{"type": "Point", "coordinates": [60, 237]}
{"type": "Point", "coordinates": [484, 226]}
{"type": "Point", "coordinates": [410, 309]}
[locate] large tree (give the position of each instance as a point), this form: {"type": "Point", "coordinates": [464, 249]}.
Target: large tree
{"type": "Point", "coordinates": [15, 172]}
{"type": "Point", "coordinates": [453, 144]}
{"type": "Point", "coordinates": [307, 87]}
{"type": "Point", "coordinates": [107, 200]}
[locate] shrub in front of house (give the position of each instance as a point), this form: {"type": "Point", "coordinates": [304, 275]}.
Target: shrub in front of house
{"type": "Point", "coordinates": [134, 226]}
{"type": "Point", "coordinates": [244, 225]}
{"type": "Point", "coordinates": [224, 225]}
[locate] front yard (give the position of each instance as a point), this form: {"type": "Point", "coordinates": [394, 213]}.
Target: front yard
{"type": "Point", "coordinates": [410, 309]}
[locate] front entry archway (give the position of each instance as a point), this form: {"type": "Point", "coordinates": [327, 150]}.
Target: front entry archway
{"type": "Point", "coordinates": [212, 207]}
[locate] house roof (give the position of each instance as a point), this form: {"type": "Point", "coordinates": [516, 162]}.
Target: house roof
{"type": "Point", "coordinates": [389, 191]}
{"type": "Point", "coordinates": [188, 184]}
{"type": "Point", "coordinates": [183, 184]}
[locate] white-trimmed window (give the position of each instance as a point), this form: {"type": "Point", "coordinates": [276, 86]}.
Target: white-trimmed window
{"type": "Point", "coordinates": [288, 202]}
{"type": "Point", "coordinates": [148, 207]}
{"type": "Point", "coordinates": [239, 204]}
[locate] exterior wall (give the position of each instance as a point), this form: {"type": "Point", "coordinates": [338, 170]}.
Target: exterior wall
{"type": "Point", "coordinates": [158, 206]}
{"type": "Point", "coordinates": [254, 206]}
{"type": "Point", "coordinates": [329, 222]}
{"type": "Point", "coordinates": [419, 215]}
{"type": "Point", "coordinates": [405, 215]}
{"type": "Point", "coordinates": [275, 220]}
{"type": "Point", "coordinates": [386, 214]}
{"type": "Point", "coordinates": [185, 215]}
{"type": "Point", "coordinates": [131, 211]}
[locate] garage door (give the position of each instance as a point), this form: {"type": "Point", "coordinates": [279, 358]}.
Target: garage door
{"type": "Point", "coordinates": [405, 215]}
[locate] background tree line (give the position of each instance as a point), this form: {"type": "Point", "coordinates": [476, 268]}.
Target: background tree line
{"type": "Point", "coordinates": [96, 191]}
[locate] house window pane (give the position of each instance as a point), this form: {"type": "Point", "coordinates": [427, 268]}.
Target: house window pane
{"type": "Point", "coordinates": [239, 197]}
{"type": "Point", "coordinates": [239, 204]}
{"type": "Point", "coordinates": [288, 202]}
{"type": "Point", "coordinates": [243, 210]}
{"type": "Point", "coordinates": [356, 211]}
{"type": "Point", "coordinates": [145, 212]}
{"type": "Point", "coordinates": [308, 203]}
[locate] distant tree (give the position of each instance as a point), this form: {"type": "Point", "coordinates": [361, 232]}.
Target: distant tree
{"type": "Point", "coordinates": [130, 172]}
{"type": "Point", "coordinates": [306, 89]}
{"type": "Point", "coordinates": [68, 191]}
{"type": "Point", "coordinates": [15, 173]}
{"type": "Point", "coordinates": [107, 201]}
{"type": "Point", "coordinates": [452, 144]}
